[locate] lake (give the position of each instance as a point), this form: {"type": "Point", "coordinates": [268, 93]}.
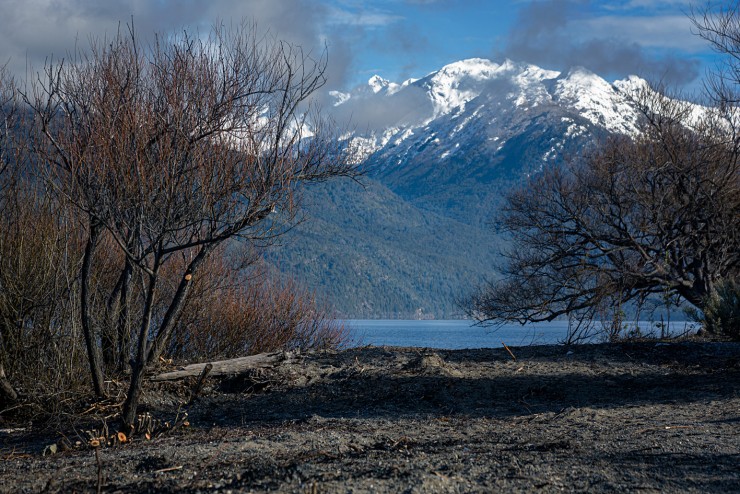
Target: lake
{"type": "Point", "coordinates": [453, 335]}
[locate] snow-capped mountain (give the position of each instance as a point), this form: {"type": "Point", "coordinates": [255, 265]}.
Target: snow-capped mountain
{"type": "Point", "coordinates": [477, 91]}
{"type": "Point", "coordinates": [441, 151]}
{"type": "Point", "coordinates": [474, 123]}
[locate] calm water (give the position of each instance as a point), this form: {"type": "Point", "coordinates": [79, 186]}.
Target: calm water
{"type": "Point", "coordinates": [461, 334]}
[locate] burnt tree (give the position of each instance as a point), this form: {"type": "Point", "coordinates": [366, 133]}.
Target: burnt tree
{"type": "Point", "coordinates": [172, 149]}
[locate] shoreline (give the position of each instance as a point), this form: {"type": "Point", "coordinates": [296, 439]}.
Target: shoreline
{"type": "Point", "coordinates": [463, 334]}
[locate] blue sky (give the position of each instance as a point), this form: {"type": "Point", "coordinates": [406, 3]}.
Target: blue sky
{"type": "Point", "coordinates": [396, 39]}
{"type": "Point", "coordinates": [616, 38]}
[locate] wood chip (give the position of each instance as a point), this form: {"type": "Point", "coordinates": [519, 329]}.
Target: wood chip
{"type": "Point", "coordinates": [169, 469]}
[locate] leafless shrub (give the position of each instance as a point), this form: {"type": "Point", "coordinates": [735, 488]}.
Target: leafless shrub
{"type": "Point", "coordinates": [39, 348]}
{"type": "Point", "coordinates": [171, 150]}
{"type": "Point", "coordinates": [40, 351]}
{"type": "Point", "coordinates": [242, 312]}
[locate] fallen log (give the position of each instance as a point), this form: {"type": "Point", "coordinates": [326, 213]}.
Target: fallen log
{"type": "Point", "coordinates": [227, 367]}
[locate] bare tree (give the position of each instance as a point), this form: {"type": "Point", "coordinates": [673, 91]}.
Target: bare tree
{"type": "Point", "coordinates": [655, 214]}
{"type": "Point", "coordinates": [8, 121]}
{"type": "Point", "coordinates": [719, 24]}
{"type": "Point", "coordinates": [172, 149]}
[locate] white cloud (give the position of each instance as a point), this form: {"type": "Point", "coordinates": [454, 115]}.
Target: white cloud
{"type": "Point", "coordinates": [560, 34]}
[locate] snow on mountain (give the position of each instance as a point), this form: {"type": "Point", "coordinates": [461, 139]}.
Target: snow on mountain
{"type": "Point", "coordinates": [597, 100]}
{"type": "Point", "coordinates": [481, 95]}
{"type": "Point", "coordinates": [631, 86]}
{"type": "Point", "coordinates": [440, 153]}
{"type": "Point", "coordinates": [339, 97]}
{"type": "Point", "coordinates": [458, 83]}
{"type": "Point", "coordinates": [378, 84]}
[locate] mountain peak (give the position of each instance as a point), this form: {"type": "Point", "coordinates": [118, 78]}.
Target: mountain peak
{"type": "Point", "coordinates": [632, 85]}
{"type": "Point", "coordinates": [378, 84]}
{"type": "Point", "coordinates": [474, 67]}
{"type": "Point", "coordinates": [581, 76]}
{"type": "Point", "coordinates": [597, 100]}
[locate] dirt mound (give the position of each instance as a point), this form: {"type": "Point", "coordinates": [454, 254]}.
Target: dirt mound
{"type": "Point", "coordinates": [431, 364]}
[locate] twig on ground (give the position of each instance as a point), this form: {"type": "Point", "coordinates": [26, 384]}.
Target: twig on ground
{"type": "Point", "coordinates": [509, 350]}
{"type": "Point", "coordinates": [405, 440]}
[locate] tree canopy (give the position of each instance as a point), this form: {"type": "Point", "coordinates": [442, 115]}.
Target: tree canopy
{"type": "Point", "coordinates": [633, 216]}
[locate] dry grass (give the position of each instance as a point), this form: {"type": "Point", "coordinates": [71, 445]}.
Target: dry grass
{"type": "Point", "coordinates": [245, 312]}
{"type": "Point", "coordinates": [234, 310]}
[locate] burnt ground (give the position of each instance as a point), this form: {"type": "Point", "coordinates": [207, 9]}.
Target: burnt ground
{"type": "Point", "coordinates": [638, 417]}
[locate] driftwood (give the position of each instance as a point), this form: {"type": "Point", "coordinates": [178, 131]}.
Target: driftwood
{"type": "Point", "coordinates": [227, 367]}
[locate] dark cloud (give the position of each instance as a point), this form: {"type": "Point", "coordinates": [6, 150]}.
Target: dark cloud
{"type": "Point", "coordinates": [547, 33]}
{"type": "Point", "coordinates": [32, 30]}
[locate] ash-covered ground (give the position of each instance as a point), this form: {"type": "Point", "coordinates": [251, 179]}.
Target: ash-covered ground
{"type": "Point", "coordinates": [647, 417]}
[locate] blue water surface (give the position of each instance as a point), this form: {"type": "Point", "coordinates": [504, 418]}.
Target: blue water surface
{"type": "Point", "coordinates": [457, 334]}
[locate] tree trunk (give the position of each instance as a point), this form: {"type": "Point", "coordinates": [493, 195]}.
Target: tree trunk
{"type": "Point", "coordinates": [116, 343]}
{"type": "Point", "coordinates": [694, 296]}
{"type": "Point", "coordinates": [93, 351]}
{"type": "Point", "coordinates": [124, 333]}
{"type": "Point", "coordinates": [7, 393]}
{"type": "Point", "coordinates": [229, 367]}
{"type": "Point", "coordinates": [110, 336]}
{"type": "Point", "coordinates": [128, 417]}
{"type": "Point", "coordinates": [177, 305]}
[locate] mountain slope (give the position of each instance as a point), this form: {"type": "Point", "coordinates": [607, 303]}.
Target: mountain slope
{"type": "Point", "coordinates": [440, 153]}
{"type": "Point", "coordinates": [372, 254]}
{"type": "Point", "coordinates": [490, 125]}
